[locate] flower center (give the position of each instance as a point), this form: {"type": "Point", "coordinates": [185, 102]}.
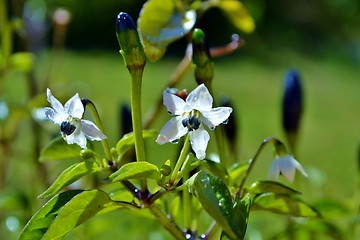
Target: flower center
{"type": "Point", "coordinates": [192, 123]}
{"type": "Point", "coordinates": [67, 128]}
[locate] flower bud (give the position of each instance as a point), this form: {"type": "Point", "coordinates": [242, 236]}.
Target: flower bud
{"type": "Point", "coordinates": [204, 69]}
{"type": "Point", "coordinates": [129, 41]}
{"type": "Point", "coordinates": [292, 106]}
{"type": "Point", "coordinates": [165, 170]}
{"type": "Point", "coordinates": [86, 154]}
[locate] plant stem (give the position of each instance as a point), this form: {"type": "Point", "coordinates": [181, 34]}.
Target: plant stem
{"type": "Point", "coordinates": [166, 222]}
{"type": "Point", "coordinates": [252, 163]}
{"type": "Point", "coordinates": [187, 206]}
{"type": "Point", "coordinates": [98, 122]}
{"type": "Point", "coordinates": [181, 159]}
{"type": "Point", "coordinates": [136, 78]}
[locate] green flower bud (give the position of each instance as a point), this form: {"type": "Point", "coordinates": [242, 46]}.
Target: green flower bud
{"type": "Point", "coordinates": [204, 67]}
{"type": "Point", "coordinates": [131, 47]}
{"type": "Point", "coordinates": [86, 154]}
{"type": "Point", "coordinates": [165, 170]}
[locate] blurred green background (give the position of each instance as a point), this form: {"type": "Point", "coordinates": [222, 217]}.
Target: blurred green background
{"type": "Point", "coordinates": [319, 38]}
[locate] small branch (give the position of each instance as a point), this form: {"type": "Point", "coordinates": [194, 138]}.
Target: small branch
{"type": "Point", "coordinates": [184, 152]}
{"type": "Point", "coordinates": [87, 103]}
{"type": "Point", "coordinates": [252, 163]}
{"type": "Point", "coordinates": [166, 222]}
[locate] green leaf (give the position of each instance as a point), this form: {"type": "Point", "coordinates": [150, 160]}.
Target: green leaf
{"type": "Point", "coordinates": [215, 198]}
{"type": "Point", "coordinates": [70, 175]}
{"type": "Point", "coordinates": [215, 168]}
{"type": "Point", "coordinates": [59, 149]}
{"type": "Point", "coordinates": [240, 215]}
{"type": "Point", "coordinates": [160, 23]}
{"type": "Point", "coordinates": [79, 209]}
{"type": "Point", "coordinates": [22, 61]}
{"type": "Point", "coordinates": [284, 204]}
{"type": "Point", "coordinates": [136, 170]}
{"type": "Point", "coordinates": [270, 186]}
{"type": "Point", "coordinates": [128, 141]}
{"type": "Point", "coordinates": [236, 12]}
{"type": "Point", "coordinates": [42, 219]}
{"type": "Point", "coordinates": [236, 170]}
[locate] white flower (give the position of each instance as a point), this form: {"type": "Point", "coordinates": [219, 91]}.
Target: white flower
{"type": "Point", "coordinates": [285, 165]}
{"type": "Point", "coordinates": [73, 129]}
{"type": "Point", "coordinates": [189, 116]}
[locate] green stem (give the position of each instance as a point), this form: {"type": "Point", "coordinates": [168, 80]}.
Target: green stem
{"type": "Point", "coordinates": [213, 231]}
{"type": "Point", "coordinates": [98, 122]}
{"type": "Point", "coordinates": [252, 163]}
{"type": "Point", "coordinates": [166, 222]}
{"type": "Point", "coordinates": [187, 206]}
{"type": "Point", "coordinates": [181, 159]}
{"type": "Point", "coordinates": [136, 78]}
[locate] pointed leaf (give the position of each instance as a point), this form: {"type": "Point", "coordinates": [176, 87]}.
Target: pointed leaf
{"type": "Point", "coordinates": [59, 149]}
{"type": "Point", "coordinates": [79, 209]}
{"type": "Point", "coordinates": [160, 23]}
{"type": "Point", "coordinates": [136, 170]}
{"type": "Point", "coordinates": [284, 204]}
{"type": "Point", "coordinates": [215, 198]}
{"type": "Point", "coordinates": [70, 175]}
{"type": "Point", "coordinates": [128, 141]}
{"type": "Point", "coordinates": [240, 215]}
{"type": "Point", "coordinates": [236, 12]}
{"type": "Point", "coordinates": [270, 186]}
{"type": "Point", "coordinates": [42, 219]}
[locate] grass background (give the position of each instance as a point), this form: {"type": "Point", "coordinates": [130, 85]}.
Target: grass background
{"type": "Point", "coordinates": [329, 136]}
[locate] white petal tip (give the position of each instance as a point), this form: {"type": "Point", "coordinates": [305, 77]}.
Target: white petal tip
{"type": "Point", "coordinates": [200, 155]}
{"type": "Point", "coordinates": [161, 139]}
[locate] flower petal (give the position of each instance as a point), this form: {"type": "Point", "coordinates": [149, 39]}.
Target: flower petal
{"type": "Point", "coordinates": [77, 137]}
{"type": "Point", "coordinates": [200, 99]}
{"type": "Point", "coordinates": [274, 169]}
{"type": "Point", "coordinates": [172, 130]}
{"type": "Point", "coordinates": [74, 107]}
{"type": "Point", "coordinates": [92, 131]}
{"type": "Point", "coordinates": [199, 140]}
{"type": "Point", "coordinates": [287, 167]}
{"type": "Point", "coordinates": [174, 104]}
{"type": "Point", "coordinates": [300, 168]}
{"type": "Point", "coordinates": [55, 104]}
{"type": "Point", "coordinates": [216, 116]}
{"type": "Point", "coordinates": [55, 117]}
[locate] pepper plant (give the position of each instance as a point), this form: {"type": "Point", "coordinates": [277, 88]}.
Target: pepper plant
{"type": "Point", "coordinates": [125, 177]}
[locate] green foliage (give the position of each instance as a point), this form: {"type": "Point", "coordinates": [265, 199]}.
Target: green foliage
{"type": "Point", "coordinates": [236, 12]}
{"type": "Point", "coordinates": [70, 175]}
{"type": "Point", "coordinates": [22, 61]}
{"type": "Point", "coordinates": [136, 170]}
{"type": "Point", "coordinates": [216, 199]}
{"type": "Point", "coordinates": [284, 204]}
{"type": "Point", "coordinates": [64, 212]}
{"type": "Point", "coordinates": [162, 22]}
{"type": "Point", "coordinates": [127, 142]}
{"type": "Point", "coordinates": [58, 149]}
{"type": "Point", "coordinates": [42, 219]}
{"type": "Point", "coordinates": [259, 187]}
